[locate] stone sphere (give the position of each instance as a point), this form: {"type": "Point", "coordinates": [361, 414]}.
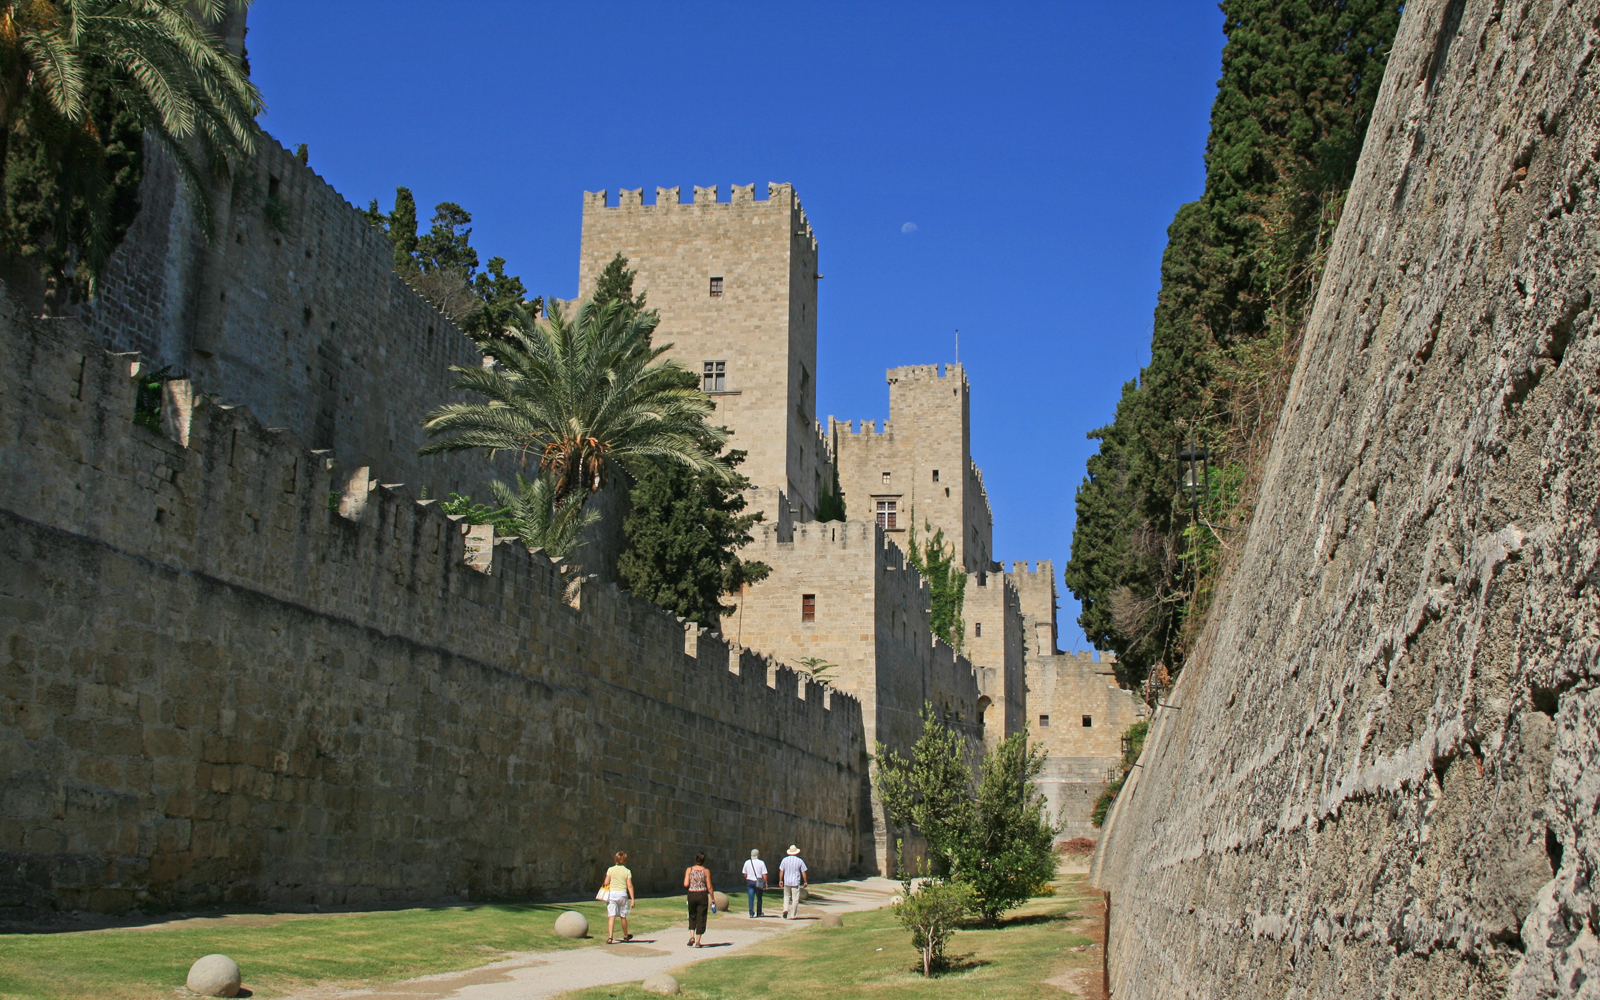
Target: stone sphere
{"type": "Point", "coordinates": [214, 976]}
{"type": "Point", "coordinates": [805, 893]}
{"type": "Point", "coordinates": [661, 983]}
{"type": "Point", "coordinates": [830, 920]}
{"type": "Point", "coordinates": [572, 924]}
{"type": "Point", "coordinates": [721, 899]}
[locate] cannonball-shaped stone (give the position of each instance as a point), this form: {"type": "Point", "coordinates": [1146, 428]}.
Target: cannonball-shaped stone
{"type": "Point", "coordinates": [572, 924]}
{"type": "Point", "coordinates": [804, 893]}
{"type": "Point", "coordinates": [830, 920]}
{"type": "Point", "coordinates": [661, 983]}
{"type": "Point", "coordinates": [214, 976]}
{"type": "Point", "coordinates": [721, 899]}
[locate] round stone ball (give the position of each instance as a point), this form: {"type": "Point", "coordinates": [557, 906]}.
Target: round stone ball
{"type": "Point", "coordinates": [572, 924]}
{"type": "Point", "coordinates": [805, 893]}
{"type": "Point", "coordinates": [830, 920]}
{"type": "Point", "coordinates": [721, 899]}
{"type": "Point", "coordinates": [661, 983]}
{"type": "Point", "coordinates": [214, 976]}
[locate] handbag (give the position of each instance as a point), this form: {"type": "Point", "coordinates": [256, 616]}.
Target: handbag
{"type": "Point", "coordinates": [601, 894]}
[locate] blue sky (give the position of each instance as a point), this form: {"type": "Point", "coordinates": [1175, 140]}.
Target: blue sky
{"type": "Point", "coordinates": [1039, 150]}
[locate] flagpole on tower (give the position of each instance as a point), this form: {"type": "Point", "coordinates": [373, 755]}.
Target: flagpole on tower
{"type": "Point", "coordinates": [958, 345]}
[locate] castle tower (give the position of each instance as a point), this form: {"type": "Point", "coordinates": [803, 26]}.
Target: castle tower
{"type": "Point", "coordinates": [735, 284]}
{"type": "Point", "coordinates": [1036, 590]}
{"type": "Point", "coordinates": [920, 465]}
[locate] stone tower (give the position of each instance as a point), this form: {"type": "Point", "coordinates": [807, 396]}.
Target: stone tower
{"type": "Point", "coordinates": [921, 462]}
{"type": "Point", "coordinates": [735, 284]}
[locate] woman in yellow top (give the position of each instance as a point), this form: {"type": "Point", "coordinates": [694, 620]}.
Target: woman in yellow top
{"type": "Point", "coordinates": [618, 888]}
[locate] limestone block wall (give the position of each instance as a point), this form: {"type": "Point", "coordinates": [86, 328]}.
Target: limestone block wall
{"type": "Point", "coordinates": [992, 613]}
{"type": "Point", "coordinates": [1379, 778]}
{"type": "Point", "coordinates": [293, 309]}
{"type": "Point", "coordinates": [1036, 592]}
{"type": "Point", "coordinates": [762, 324]}
{"type": "Point", "coordinates": [213, 687]}
{"type": "Point", "coordinates": [1078, 714]}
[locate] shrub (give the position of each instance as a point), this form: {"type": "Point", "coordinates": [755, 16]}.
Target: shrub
{"type": "Point", "coordinates": [930, 913]}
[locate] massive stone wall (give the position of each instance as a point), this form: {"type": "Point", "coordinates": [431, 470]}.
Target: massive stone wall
{"type": "Point", "coordinates": [215, 688]}
{"type": "Point", "coordinates": [1377, 779]}
{"type": "Point", "coordinates": [1079, 715]}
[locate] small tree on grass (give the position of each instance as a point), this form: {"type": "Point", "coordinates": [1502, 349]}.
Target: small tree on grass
{"type": "Point", "coordinates": [1007, 854]}
{"type": "Point", "coordinates": [931, 913]}
{"type": "Point", "coordinates": [932, 791]}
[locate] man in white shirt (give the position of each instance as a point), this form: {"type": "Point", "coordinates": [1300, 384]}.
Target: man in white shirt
{"type": "Point", "coordinates": [755, 882]}
{"type": "Point", "coordinates": [792, 873]}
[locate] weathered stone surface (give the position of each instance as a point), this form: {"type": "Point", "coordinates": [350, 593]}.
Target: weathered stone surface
{"type": "Point", "coordinates": [572, 924]}
{"type": "Point", "coordinates": [663, 983]}
{"type": "Point", "coordinates": [830, 920]}
{"type": "Point", "coordinates": [214, 976]}
{"type": "Point", "coordinates": [721, 899]}
{"type": "Point", "coordinates": [1380, 779]}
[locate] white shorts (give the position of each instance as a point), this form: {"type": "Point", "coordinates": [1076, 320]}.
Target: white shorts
{"type": "Point", "coordinates": [617, 904]}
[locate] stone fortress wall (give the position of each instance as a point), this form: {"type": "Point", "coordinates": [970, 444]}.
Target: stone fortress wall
{"type": "Point", "coordinates": [734, 283]}
{"type": "Point", "coordinates": [218, 689]}
{"type": "Point", "coordinates": [993, 625]}
{"type": "Point", "coordinates": [1079, 715]}
{"type": "Point", "coordinates": [1378, 778]}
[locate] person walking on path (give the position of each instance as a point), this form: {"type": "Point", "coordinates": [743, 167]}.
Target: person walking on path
{"type": "Point", "coordinates": [755, 882]}
{"type": "Point", "coordinates": [697, 879]}
{"type": "Point", "coordinates": [793, 875]}
{"type": "Point", "coordinates": [618, 889]}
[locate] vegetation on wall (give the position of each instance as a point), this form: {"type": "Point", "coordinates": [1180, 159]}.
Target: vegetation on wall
{"type": "Point", "coordinates": [82, 82]}
{"type": "Point", "coordinates": [442, 266]}
{"type": "Point", "coordinates": [1239, 275]}
{"type": "Point", "coordinates": [935, 559]}
{"type": "Point", "coordinates": [1132, 746]}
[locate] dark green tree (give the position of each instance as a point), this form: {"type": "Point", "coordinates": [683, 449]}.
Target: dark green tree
{"type": "Point", "coordinates": [830, 505]}
{"type": "Point", "coordinates": [935, 559]}
{"type": "Point", "coordinates": [683, 533]}
{"type": "Point", "coordinates": [1299, 79]}
{"type": "Point", "coordinates": [932, 791]}
{"type": "Point", "coordinates": [1009, 851]}
{"type": "Point", "coordinates": [615, 284]}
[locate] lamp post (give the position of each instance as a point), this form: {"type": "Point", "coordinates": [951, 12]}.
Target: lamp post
{"type": "Point", "coordinates": [1194, 473]}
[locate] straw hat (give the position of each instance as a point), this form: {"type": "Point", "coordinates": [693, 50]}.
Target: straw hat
{"type": "Point", "coordinates": [793, 849]}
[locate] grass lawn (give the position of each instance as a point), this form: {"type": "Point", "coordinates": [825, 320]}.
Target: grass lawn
{"type": "Point", "coordinates": [278, 952]}
{"type": "Point", "coordinates": [871, 956]}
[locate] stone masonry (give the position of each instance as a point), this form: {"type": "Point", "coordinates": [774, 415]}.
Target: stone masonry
{"type": "Point", "coordinates": [1079, 715]}
{"type": "Point", "coordinates": [214, 688]}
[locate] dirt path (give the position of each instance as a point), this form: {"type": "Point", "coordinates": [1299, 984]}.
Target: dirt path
{"type": "Point", "coordinates": [534, 974]}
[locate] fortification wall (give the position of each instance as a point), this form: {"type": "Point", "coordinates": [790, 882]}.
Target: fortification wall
{"type": "Point", "coordinates": [218, 689]}
{"type": "Point", "coordinates": [994, 643]}
{"type": "Point", "coordinates": [293, 309]}
{"type": "Point", "coordinates": [1379, 778]}
{"type": "Point", "coordinates": [760, 321]}
{"type": "Point", "coordinates": [1079, 716]}
{"type": "Point", "coordinates": [1036, 592]}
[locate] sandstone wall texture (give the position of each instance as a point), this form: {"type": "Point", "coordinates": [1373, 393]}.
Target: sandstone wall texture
{"type": "Point", "coordinates": [1379, 779]}
{"type": "Point", "coordinates": [292, 309]}
{"type": "Point", "coordinates": [992, 613]}
{"type": "Point", "coordinates": [1078, 714]}
{"type": "Point", "coordinates": [213, 687]}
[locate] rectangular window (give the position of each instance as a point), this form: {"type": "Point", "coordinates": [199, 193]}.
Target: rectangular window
{"type": "Point", "coordinates": [886, 478]}
{"type": "Point", "coordinates": [716, 288]}
{"type": "Point", "coordinates": [947, 491]}
{"type": "Point", "coordinates": [714, 376]}
{"type": "Point", "coordinates": [887, 512]}
{"type": "Point", "coordinates": [936, 475]}
{"type": "Point", "coordinates": [1044, 722]}
{"type": "Point", "coordinates": [808, 607]}
{"type": "Point", "coordinates": [977, 630]}
{"type": "Point", "coordinates": [1088, 721]}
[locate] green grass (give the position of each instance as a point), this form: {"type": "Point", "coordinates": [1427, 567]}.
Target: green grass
{"type": "Point", "coordinates": [278, 952]}
{"type": "Point", "coordinates": [871, 956]}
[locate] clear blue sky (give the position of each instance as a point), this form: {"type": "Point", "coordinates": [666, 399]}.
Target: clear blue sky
{"type": "Point", "coordinates": [1039, 150]}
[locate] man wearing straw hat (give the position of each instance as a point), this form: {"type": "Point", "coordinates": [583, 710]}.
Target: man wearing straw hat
{"type": "Point", "coordinates": [792, 873]}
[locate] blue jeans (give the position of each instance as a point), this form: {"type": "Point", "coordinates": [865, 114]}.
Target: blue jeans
{"type": "Point", "coordinates": [754, 889]}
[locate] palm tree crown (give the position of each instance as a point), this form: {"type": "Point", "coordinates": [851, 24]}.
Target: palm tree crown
{"type": "Point", "coordinates": [583, 396]}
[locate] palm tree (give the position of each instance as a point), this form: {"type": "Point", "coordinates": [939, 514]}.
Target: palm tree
{"type": "Point", "coordinates": [540, 520]}
{"type": "Point", "coordinates": [584, 397]}
{"type": "Point", "coordinates": [153, 59]}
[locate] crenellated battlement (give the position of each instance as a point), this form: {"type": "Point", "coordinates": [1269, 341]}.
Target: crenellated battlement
{"type": "Point", "coordinates": [741, 197]}
{"type": "Point", "coordinates": [1025, 568]}
{"type": "Point", "coordinates": [928, 373]}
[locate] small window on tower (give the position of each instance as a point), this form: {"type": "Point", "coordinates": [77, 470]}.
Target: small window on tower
{"type": "Point", "coordinates": [716, 288]}
{"type": "Point", "coordinates": [947, 491]}
{"type": "Point", "coordinates": [1044, 722]}
{"type": "Point", "coordinates": [808, 607]}
{"type": "Point", "coordinates": [1088, 721]}
{"type": "Point", "coordinates": [886, 479]}
{"type": "Point", "coordinates": [714, 376]}
{"type": "Point", "coordinates": [936, 475]}
{"type": "Point", "coordinates": [977, 630]}
{"type": "Point", "coordinates": [887, 512]}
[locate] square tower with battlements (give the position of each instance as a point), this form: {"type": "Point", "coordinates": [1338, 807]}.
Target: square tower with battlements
{"type": "Point", "coordinates": [735, 284]}
{"type": "Point", "coordinates": [919, 468]}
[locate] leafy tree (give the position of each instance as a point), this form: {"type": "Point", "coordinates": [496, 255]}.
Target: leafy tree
{"type": "Point", "coordinates": [931, 911]}
{"type": "Point", "coordinates": [585, 397]}
{"type": "Point", "coordinates": [947, 583]}
{"type": "Point", "coordinates": [615, 284]}
{"type": "Point", "coordinates": [1009, 850]}
{"type": "Point", "coordinates": [541, 519]}
{"type": "Point", "coordinates": [817, 668]}
{"type": "Point", "coordinates": [830, 505]}
{"type": "Point", "coordinates": [683, 533]}
{"type": "Point", "coordinates": [1299, 79]}
{"type": "Point", "coordinates": [461, 505]}
{"type": "Point", "coordinates": [931, 792]}
{"type": "Point", "coordinates": [80, 82]}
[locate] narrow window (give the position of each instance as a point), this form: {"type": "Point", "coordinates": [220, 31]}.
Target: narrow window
{"type": "Point", "coordinates": [714, 376]}
{"type": "Point", "coordinates": [947, 491]}
{"type": "Point", "coordinates": [887, 511]}
{"type": "Point", "coordinates": [808, 607]}
{"type": "Point", "coordinates": [1088, 721]}
{"type": "Point", "coordinates": [886, 478]}
{"type": "Point", "coordinates": [936, 475]}
{"type": "Point", "coordinates": [716, 288]}
{"type": "Point", "coordinates": [977, 630]}
{"type": "Point", "coordinates": [1044, 722]}
{"type": "Point", "coordinates": [272, 186]}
